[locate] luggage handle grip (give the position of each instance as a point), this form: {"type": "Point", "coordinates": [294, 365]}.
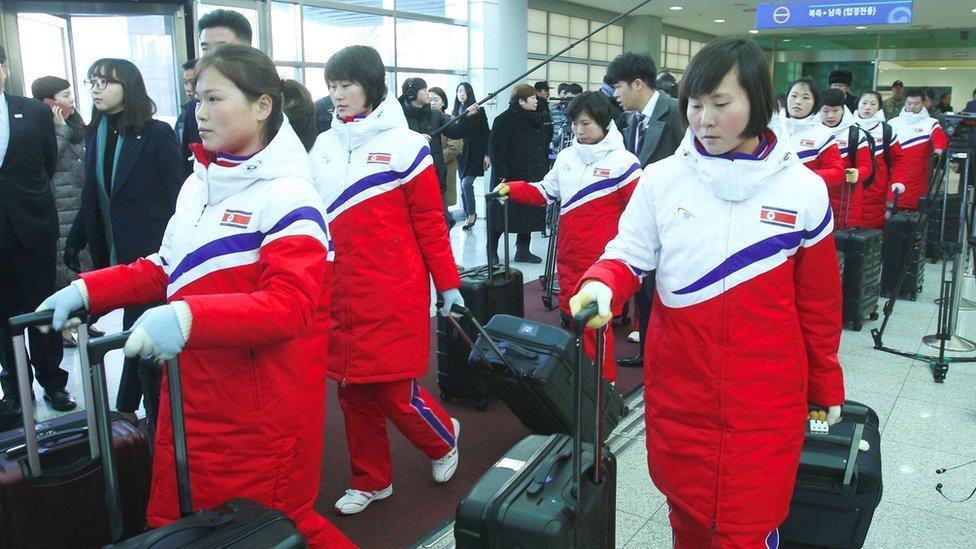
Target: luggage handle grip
{"type": "Point", "coordinates": [41, 318]}
{"type": "Point", "coordinates": [466, 313]}
{"type": "Point", "coordinates": [100, 346]}
{"type": "Point", "coordinates": [539, 482]}
{"type": "Point", "coordinates": [15, 452]}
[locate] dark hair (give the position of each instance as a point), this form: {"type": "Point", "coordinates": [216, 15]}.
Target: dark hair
{"type": "Point", "coordinates": [929, 94]}
{"type": "Point", "coordinates": [190, 65]}
{"type": "Point", "coordinates": [629, 66]}
{"type": "Point", "coordinates": [574, 89]}
{"type": "Point", "coordinates": [915, 92]}
{"type": "Point", "coordinates": [542, 85]}
{"type": "Point", "coordinates": [562, 87]}
{"type": "Point", "coordinates": [3, 54]}
{"type": "Point", "coordinates": [876, 94]}
{"type": "Point", "coordinates": [362, 65]}
{"type": "Point", "coordinates": [469, 92]}
{"type": "Point", "coordinates": [781, 100]}
{"type": "Point", "coordinates": [137, 108]}
{"type": "Point", "coordinates": [944, 95]}
{"type": "Point", "coordinates": [255, 75]}
{"type": "Point", "coordinates": [833, 98]}
{"type": "Point", "coordinates": [720, 56]}
{"type": "Point", "coordinates": [522, 92]}
{"type": "Point", "coordinates": [411, 87]}
{"type": "Point", "coordinates": [230, 19]}
{"type": "Point", "coordinates": [808, 82]}
{"type": "Point", "coordinates": [593, 104]}
{"type": "Point", "coordinates": [440, 93]}
{"type": "Point", "coordinates": [46, 87]}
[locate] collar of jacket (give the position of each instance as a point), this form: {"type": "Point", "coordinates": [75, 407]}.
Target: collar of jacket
{"type": "Point", "coordinates": [284, 156]}
{"type": "Point", "coordinates": [591, 153]}
{"type": "Point", "coordinates": [910, 118]}
{"type": "Point", "coordinates": [738, 179]}
{"type": "Point", "coordinates": [535, 117]}
{"type": "Point", "coordinates": [846, 121]}
{"type": "Point", "coordinates": [387, 115]}
{"type": "Point", "coordinates": [870, 123]}
{"type": "Point", "coordinates": [794, 126]}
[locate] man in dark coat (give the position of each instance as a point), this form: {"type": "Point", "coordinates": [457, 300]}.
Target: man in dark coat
{"type": "Point", "coordinates": [28, 242]}
{"type": "Point", "coordinates": [653, 130]}
{"type": "Point", "coordinates": [324, 110]}
{"type": "Point", "coordinates": [542, 91]}
{"type": "Point", "coordinates": [186, 123]}
{"type": "Point", "coordinates": [842, 81]}
{"type": "Point", "coordinates": [519, 149]}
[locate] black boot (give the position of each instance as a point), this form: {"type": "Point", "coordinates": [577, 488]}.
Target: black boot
{"type": "Point", "coordinates": [523, 255]}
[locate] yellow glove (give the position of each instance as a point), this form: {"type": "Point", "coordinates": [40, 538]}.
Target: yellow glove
{"type": "Point", "coordinates": [502, 189]}
{"type": "Point", "coordinates": [831, 415]}
{"type": "Point", "coordinates": [850, 175]}
{"type": "Point", "coordinates": [591, 291]}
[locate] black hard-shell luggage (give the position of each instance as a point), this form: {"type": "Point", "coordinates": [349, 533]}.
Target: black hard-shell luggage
{"type": "Point", "coordinates": [838, 486]}
{"type": "Point", "coordinates": [943, 222]}
{"type": "Point", "coordinates": [487, 290]}
{"type": "Point", "coordinates": [862, 268]}
{"type": "Point", "coordinates": [540, 493]}
{"type": "Point", "coordinates": [51, 473]}
{"type": "Point", "coordinates": [239, 523]}
{"type": "Point", "coordinates": [531, 366]}
{"type": "Point", "coordinates": [903, 251]}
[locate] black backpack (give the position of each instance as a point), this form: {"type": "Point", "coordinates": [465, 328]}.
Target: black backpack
{"type": "Point", "coordinates": [852, 141]}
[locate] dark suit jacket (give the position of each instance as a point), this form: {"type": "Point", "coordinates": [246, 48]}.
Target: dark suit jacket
{"type": "Point", "coordinates": [188, 132]}
{"type": "Point", "coordinates": [324, 110]}
{"type": "Point", "coordinates": [26, 198]}
{"type": "Point", "coordinates": [664, 132]}
{"type": "Point", "coordinates": [147, 180]}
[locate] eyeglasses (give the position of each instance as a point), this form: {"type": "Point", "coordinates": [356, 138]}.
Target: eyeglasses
{"type": "Point", "coordinates": [99, 83]}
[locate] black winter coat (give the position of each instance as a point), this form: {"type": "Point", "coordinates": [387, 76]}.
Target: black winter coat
{"type": "Point", "coordinates": [519, 148]}
{"type": "Point", "coordinates": [147, 180]}
{"type": "Point", "coordinates": [425, 120]}
{"type": "Point", "coordinates": [471, 161]}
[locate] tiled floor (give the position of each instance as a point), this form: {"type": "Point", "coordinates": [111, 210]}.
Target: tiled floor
{"type": "Point", "coordinates": [925, 425]}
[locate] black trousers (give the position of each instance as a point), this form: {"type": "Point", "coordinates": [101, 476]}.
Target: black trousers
{"type": "Point", "coordinates": [644, 298]}
{"type": "Point", "coordinates": [522, 241]}
{"type": "Point", "coordinates": [131, 387]}
{"type": "Point", "coordinates": [27, 277]}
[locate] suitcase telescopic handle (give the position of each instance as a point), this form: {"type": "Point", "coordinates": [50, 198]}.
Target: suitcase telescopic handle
{"type": "Point", "coordinates": [41, 318]}
{"type": "Point", "coordinates": [504, 203]}
{"type": "Point", "coordinates": [588, 312]}
{"type": "Point", "coordinates": [466, 313]}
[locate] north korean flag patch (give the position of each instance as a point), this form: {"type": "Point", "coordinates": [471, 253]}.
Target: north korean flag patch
{"type": "Point", "coordinates": [601, 172]}
{"type": "Point", "coordinates": [807, 143]}
{"type": "Point", "coordinates": [378, 158]}
{"type": "Point", "coordinates": [778, 216]}
{"type": "Point", "coordinates": [235, 218]}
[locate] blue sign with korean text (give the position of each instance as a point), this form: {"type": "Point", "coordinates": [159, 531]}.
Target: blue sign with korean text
{"type": "Point", "coordinates": [831, 13]}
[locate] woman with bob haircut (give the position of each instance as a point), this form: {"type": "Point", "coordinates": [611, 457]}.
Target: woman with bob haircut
{"type": "Point", "coordinates": [888, 157]}
{"type": "Point", "coordinates": [813, 142]}
{"type": "Point", "coordinates": [592, 180]}
{"type": "Point", "coordinates": [383, 203]}
{"type": "Point", "coordinates": [245, 267]}
{"type": "Point", "coordinates": [740, 234]}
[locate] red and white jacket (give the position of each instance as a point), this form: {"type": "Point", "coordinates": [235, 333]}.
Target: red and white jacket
{"type": "Point", "coordinates": [593, 184]}
{"type": "Point", "coordinates": [815, 146]}
{"type": "Point", "coordinates": [875, 203]}
{"type": "Point", "coordinates": [248, 250]}
{"type": "Point", "coordinates": [745, 326]}
{"type": "Point", "coordinates": [384, 208]}
{"type": "Point", "coordinates": [920, 136]}
{"type": "Point", "coordinates": [846, 201]}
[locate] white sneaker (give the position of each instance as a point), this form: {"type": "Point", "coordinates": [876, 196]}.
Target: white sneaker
{"type": "Point", "coordinates": [634, 337]}
{"type": "Point", "coordinates": [444, 467]}
{"type": "Point", "coordinates": [356, 501]}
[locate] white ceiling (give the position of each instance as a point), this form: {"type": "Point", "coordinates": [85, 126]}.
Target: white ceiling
{"type": "Point", "coordinates": [740, 15]}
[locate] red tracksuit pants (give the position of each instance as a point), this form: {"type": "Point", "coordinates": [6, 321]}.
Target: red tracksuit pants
{"type": "Point", "coordinates": [609, 358]}
{"type": "Point", "coordinates": [688, 533]}
{"type": "Point", "coordinates": [420, 418]}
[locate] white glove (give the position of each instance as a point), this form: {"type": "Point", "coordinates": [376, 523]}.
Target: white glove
{"type": "Point", "coordinates": [593, 290]}
{"type": "Point", "coordinates": [833, 415]}
{"type": "Point", "coordinates": [451, 298]}
{"type": "Point", "coordinates": [898, 188]}
{"type": "Point", "coordinates": [161, 331]}
{"type": "Point", "coordinates": [850, 175]}
{"type": "Point", "coordinates": [64, 302]}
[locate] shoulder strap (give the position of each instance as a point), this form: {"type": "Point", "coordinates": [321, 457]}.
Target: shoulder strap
{"type": "Point", "coordinates": [886, 134]}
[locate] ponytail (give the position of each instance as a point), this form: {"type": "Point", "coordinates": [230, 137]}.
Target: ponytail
{"type": "Point", "coordinates": [300, 110]}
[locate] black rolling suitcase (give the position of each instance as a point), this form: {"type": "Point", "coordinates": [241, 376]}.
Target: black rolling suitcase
{"type": "Point", "coordinates": [487, 290]}
{"type": "Point", "coordinates": [547, 491]}
{"type": "Point", "coordinates": [903, 251]}
{"type": "Point", "coordinates": [943, 222]}
{"type": "Point", "coordinates": [52, 472]}
{"type": "Point", "coordinates": [531, 367]}
{"type": "Point", "coordinates": [862, 273]}
{"type": "Point", "coordinates": [838, 486]}
{"type": "Point", "coordinates": [239, 523]}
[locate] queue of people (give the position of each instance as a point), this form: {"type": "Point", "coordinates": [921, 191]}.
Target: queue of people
{"type": "Point", "coordinates": [312, 231]}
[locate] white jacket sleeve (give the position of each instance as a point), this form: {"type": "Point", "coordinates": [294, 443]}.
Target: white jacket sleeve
{"type": "Point", "coordinates": [637, 243]}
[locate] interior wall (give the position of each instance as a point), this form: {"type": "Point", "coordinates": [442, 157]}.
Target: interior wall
{"type": "Point", "coordinates": [961, 80]}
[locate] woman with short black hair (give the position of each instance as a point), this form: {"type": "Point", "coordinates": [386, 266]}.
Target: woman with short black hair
{"type": "Point", "coordinates": [133, 173]}
{"type": "Point", "coordinates": [746, 326]}
{"type": "Point", "coordinates": [592, 180]}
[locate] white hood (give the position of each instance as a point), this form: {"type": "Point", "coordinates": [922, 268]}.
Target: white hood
{"type": "Point", "coordinates": [911, 118]}
{"type": "Point", "coordinates": [284, 156]}
{"type": "Point", "coordinates": [847, 120]}
{"type": "Point", "coordinates": [591, 153]}
{"type": "Point", "coordinates": [737, 180]}
{"type": "Point", "coordinates": [388, 115]}
{"type": "Point", "coordinates": [870, 123]}
{"type": "Point", "coordinates": [793, 126]}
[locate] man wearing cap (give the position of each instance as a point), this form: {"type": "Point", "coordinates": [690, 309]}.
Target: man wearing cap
{"type": "Point", "coordinates": [894, 104]}
{"type": "Point", "coordinates": [542, 105]}
{"type": "Point", "coordinates": [842, 81]}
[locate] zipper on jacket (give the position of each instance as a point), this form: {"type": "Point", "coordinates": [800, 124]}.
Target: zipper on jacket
{"type": "Point", "coordinates": [721, 377]}
{"type": "Point", "coordinates": [206, 200]}
{"type": "Point", "coordinates": [345, 183]}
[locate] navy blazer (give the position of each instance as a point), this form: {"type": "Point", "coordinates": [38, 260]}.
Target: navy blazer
{"type": "Point", "coordinates": [147, 181]}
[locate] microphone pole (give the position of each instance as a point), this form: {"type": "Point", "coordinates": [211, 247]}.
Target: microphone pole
{"type": "Point", "coordinates": [542, 63]}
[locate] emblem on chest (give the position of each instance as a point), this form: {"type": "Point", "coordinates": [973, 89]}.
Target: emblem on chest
{"type": "Point", "coordinates": [780, 217]}
{"type": "Point", "coordinates": [235, 218]}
